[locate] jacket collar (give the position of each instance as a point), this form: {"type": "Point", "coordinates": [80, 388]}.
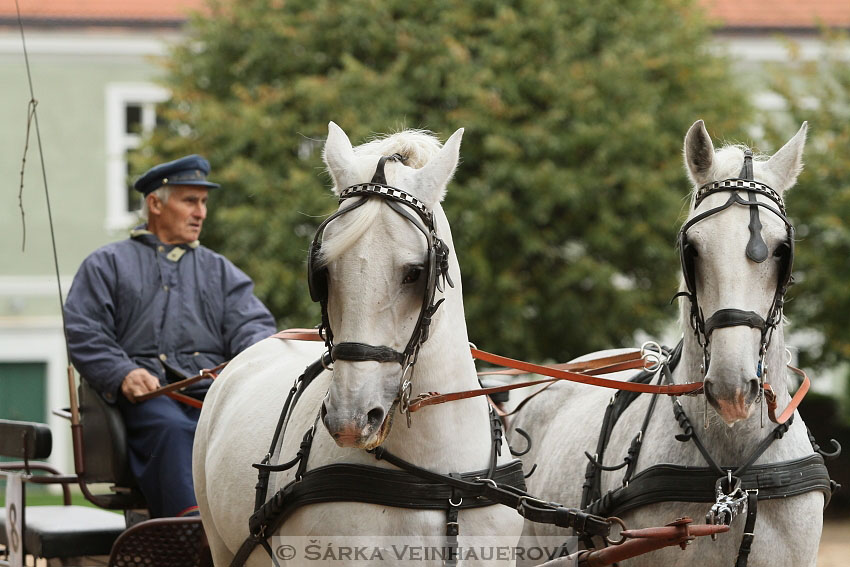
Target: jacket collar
{"type": "Point", "coordinates": [175, 251]}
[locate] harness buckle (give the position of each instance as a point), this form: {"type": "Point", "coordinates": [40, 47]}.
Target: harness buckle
{"type": "Point", "coordinates": [489, 481]}
{"type": "Point", "coordinates": [523, 499]}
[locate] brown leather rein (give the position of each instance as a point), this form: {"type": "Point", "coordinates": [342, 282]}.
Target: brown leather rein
{"type": "Point", "coordinates": [583, 372]}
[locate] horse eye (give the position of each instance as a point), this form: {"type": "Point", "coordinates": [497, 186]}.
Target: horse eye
{"type": "Point", "coordinates": [412, 275]}
{"type": "Point", "coordinates": [781, 251]}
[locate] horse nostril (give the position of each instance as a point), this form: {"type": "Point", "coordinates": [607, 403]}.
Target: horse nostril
{"type": "Point", "coordinates": [375, 417]}
{"type": "Point", "coordinates": [754, 391]}
{"type": "Point", "coordinates": [707, 387]}
{"type": "Point", "coordinates": [324, 417]}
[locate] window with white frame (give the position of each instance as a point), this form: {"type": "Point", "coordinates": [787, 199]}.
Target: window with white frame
{"type": "Point", "coordinates": [130, 116]}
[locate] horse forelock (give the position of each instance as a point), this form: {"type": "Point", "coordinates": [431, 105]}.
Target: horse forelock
{"type": "Point", "coordinates": [350, 227]}
{"type": "Point", "coordinates": [417, 147]}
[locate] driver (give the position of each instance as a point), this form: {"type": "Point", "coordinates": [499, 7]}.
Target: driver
{"type": "Point", "coordinates": [158, 305]}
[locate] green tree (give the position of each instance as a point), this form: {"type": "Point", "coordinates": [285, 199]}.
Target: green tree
{"type": "Point", "coordinates": [570, 190]}
{"type": "Point", "coordinates": [819, 91]}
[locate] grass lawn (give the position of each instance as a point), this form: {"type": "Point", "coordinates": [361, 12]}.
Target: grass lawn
{"type": "Point", "coordinates": [42, 496]}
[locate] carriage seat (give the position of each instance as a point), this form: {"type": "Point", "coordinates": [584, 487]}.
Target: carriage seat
{"type": "Point", "coordinates": [105, 452]}
{"type": "Point", "coordinates": [53, 531]}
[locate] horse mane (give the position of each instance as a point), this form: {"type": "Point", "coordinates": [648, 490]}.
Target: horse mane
{"type": "Point", "coordinates": [417, 147]}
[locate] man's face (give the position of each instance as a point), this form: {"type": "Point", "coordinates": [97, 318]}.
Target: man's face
{"type": "Point", "coordinates": [179, 220]}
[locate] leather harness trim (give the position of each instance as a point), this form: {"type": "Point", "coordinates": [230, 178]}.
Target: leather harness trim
{"type": "Point", "coordinates": [733, 318]}
{"type": "Point", "coordinates": [358, 352]}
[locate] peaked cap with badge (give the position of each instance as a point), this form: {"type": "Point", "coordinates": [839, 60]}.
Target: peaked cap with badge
{"type": "Point", "coordinates": [188, 170]}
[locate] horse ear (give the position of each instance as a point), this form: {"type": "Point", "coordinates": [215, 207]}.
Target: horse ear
{"type": "Point", "coordinates": [787, 163]}
{"type": "Point", "coordinates": [699, 153]}
{"type": "Point", "coordinates": [433, 178]}
{"type": "Point", "coordinates": [338, 155]}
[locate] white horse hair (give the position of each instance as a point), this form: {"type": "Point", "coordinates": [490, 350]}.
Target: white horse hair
{"type": "Point", "coordinates": [373, 256]}
{"type": "Point", "coordinates": [565, 421]}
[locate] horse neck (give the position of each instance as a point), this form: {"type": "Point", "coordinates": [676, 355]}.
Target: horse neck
{"type": "Point", "coordinates": [445, 363]}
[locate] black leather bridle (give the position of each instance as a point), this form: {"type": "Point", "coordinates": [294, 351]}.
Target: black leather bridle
{"type": "Point", "coordinates": [756, 251]}
{"type": "Point", "coordinates": [436, 275]}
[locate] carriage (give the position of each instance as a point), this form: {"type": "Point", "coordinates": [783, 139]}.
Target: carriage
{"type": "Point", "coordinates": [115, 531]}
{"type": "Point", "coordinates": [269, 481]}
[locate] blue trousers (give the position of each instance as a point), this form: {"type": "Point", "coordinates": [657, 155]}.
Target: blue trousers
{"type": "Point", "coordinates": [160, 433]}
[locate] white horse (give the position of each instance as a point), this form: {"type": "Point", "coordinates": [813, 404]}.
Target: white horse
{"type": "Point", "coordinates": [565, 421]}
{"type": "Point", "coordinates": [376, 266]}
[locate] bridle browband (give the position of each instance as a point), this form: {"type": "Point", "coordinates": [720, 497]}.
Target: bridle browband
{"type": "Point", "coordinates": [436, 267]}
{"type": "Point", "coordinates": [756, 251]}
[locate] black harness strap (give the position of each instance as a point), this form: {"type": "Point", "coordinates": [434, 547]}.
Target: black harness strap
{"type": "Point", "coordinates": [749, 529]}
{"type": "Point", "coordinates": [678, 483]}
{"type": "Point", "coordinates": [732, 318]}
{"type": "Point", "coordinates": [361, 351]}
{"type": "Point", "coordinates": [452, 525]}
{"type": "Point", "coordinates": [620, 402]}
{"type": "Point", "coordinates": [515, 497]}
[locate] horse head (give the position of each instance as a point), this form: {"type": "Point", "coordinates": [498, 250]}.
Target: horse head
{"type": "Point", "coordinates": [376, 271]}
{"type": "Point", "coordinates": [737, 248]}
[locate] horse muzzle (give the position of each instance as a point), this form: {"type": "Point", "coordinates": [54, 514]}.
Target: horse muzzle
{"type": "Point", "coordinates": [356, 430]}
{"type": "Point", "coordinates": [732, 402]}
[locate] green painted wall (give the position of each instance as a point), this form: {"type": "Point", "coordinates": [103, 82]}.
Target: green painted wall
{"type": "Point", "coordinates": [23, 391]}
{"type": "Point", "coordinates": [71, 91]}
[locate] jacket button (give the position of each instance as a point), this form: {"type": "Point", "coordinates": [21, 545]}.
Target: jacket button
{"type": "Point", "coordinates": [163, 357]}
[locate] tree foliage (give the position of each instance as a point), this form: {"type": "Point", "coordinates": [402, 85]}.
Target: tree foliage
{"type": "Point", "coordinates": [570, 191]}
{"type": "Point", "coordinates": [819, 91]}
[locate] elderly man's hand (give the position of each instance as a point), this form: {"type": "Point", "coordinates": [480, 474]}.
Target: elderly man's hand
{"type": "Point", "coordinates": [138, 382]}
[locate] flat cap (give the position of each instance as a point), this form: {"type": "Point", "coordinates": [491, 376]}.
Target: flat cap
{"type": "Point", "coordinates": [189, 170]}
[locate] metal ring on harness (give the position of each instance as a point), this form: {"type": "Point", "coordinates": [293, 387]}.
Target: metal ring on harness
{"type": "Point", "coordinates": [325, 365]}
{"type": "Point", "coordinates": [622, 524]}
{"type": "Point", "coordinates": [653, 356]}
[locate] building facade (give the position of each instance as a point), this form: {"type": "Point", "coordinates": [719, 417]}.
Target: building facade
{"type": "Point", "coordinates": [95, 79]}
